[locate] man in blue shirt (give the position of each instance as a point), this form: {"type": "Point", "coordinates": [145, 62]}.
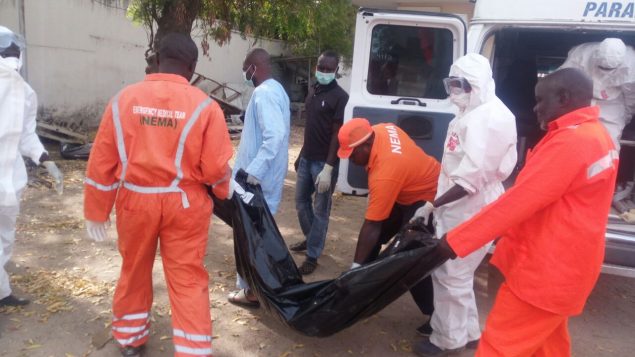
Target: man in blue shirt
{"type": "Point", "coordinates": [264, 144]}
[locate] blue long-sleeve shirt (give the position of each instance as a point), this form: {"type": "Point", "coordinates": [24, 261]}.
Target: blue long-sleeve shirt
{"type": "Point", "coordinates": [264, 144]}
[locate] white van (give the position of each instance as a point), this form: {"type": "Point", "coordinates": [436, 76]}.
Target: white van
{"type": "Point", "coordinates": [400, 58]}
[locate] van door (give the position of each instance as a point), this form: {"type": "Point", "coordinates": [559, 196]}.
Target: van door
{"type": "Point", "coordinates": [400, 59]}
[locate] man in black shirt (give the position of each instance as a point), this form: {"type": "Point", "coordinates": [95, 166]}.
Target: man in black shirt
{"type": "Point", "coordinates": [317, 164]}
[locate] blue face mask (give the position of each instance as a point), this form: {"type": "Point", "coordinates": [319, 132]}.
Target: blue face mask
{"type": "Point", "coordinates": [324, 78]}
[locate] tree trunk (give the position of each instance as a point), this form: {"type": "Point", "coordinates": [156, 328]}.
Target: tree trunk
{"type": "Point", "coordinates": [176, 16]}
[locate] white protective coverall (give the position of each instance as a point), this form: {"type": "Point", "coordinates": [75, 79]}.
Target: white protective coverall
{"type": "Point", "coordinates": [611, 66]}
{"type": "Point", "coordinates": [479, 153]}
{"type": "Point", "coordinates": [18, 109]}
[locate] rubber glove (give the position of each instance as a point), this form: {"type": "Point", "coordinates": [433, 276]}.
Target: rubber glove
{"type": "Point", "coordinates": [56, 174]}
{"type": "Point", "coordinates": [323, 181]}
{"type": "Point", "coordinates": [424, 211]}
{"type": "Point", "coordinates": [97, 230]}
{"type": "Point", "coordinates": [252, 180]}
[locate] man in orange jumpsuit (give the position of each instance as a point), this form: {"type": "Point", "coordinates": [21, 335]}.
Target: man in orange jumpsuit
{"type": "Point", "coordinates": [401, 178]}
{"type": "Point", "coordinates": [160, 143]}
{"type": "Point", "coordinates": [551, 224]}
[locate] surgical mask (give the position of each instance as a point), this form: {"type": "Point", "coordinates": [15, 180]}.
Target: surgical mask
{"type": "Point", "coordinates": [324, 78]}
{"type": "Point", "coordinates": [249, 81]}
{"type": "Point", "coordinates": [461, 100]}
{"type": "Point", "coordinates": [13, 62]}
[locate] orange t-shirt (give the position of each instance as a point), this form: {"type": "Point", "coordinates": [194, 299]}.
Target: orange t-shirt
{"type": "Point", "coordinates": [398, 172]}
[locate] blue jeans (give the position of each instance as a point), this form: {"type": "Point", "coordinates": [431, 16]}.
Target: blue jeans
{"type": "Point", "coordinates": [313, 210]}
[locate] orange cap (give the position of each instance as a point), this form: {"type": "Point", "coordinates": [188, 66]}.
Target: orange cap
{"type": "Point", "coordinates": [352, 134]}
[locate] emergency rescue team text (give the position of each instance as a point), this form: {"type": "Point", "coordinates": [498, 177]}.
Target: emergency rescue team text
{"type": "Point", "coordinates": [158, 117]}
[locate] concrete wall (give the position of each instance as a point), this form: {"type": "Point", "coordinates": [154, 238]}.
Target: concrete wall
{"type": "Point", "coordinates": [9, 15]}
{"type": "Point", "coordinates": [81, 52]}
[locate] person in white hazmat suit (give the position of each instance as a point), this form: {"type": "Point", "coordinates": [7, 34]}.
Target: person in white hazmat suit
{"type": "Point", "coordinates": [18, 108]}
{"type": "Point", "coordinates": [610, 64]}
{"type": "Point", "coordinates": [479, 153]}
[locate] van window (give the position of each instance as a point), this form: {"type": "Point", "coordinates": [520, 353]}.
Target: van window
{"type": "Point", "coordinates": [409, 61]}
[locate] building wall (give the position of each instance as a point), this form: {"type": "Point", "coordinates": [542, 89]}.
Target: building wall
{"type": "Point", "coordinates": [81, 52]}
{"type": "Point", "coordinates": [9, 16]}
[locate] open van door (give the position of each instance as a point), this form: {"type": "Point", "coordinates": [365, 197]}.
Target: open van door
{"type": "Point", "coordinates": [400, 59]}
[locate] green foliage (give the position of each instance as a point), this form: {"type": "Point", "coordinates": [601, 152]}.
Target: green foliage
{"type": "Point", "coordinates": [308, 26]}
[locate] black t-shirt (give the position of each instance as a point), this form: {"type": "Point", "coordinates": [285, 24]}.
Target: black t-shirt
{"type": "Point", "coordinates": [324, 107]}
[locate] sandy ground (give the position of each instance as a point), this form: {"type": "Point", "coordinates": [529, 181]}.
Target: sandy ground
{"type": "Point", "coordinates": [71, 281]}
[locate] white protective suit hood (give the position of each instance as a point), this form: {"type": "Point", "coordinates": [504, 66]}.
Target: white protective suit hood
{"type": "Point", "coordinates": [608, 67]}
{"type": "Point", "coordinates": [611, 53]}
{"type": "Point", "coordinates": [477, 71]}
{"type": "Point", "coordinates": [7, 38]}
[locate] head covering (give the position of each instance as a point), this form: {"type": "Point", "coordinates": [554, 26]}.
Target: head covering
{"type": "Point", "coordinates": [352, 134]}
{"type": "Point", "coordinates": [179, 47]}
{"type": "Point", "coordinates": [7, 37]}
{"type": "Point", "coordinates": [10, 60]}
{"type": "Point", "coordinates": [610, 53]}
{"type": "Point", "coordinates": [478, 73]}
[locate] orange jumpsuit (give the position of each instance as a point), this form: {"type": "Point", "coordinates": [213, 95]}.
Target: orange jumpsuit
{"type": "Point", "coordinates": [159, 143]}
{"type": "Point", "coordinates": [552, 224]}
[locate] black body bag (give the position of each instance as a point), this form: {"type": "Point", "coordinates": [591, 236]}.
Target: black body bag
{"type": "Point", "coordinates": [325, 307]}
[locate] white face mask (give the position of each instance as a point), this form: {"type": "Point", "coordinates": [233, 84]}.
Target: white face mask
{"type": "Point", "coordinates": [461, 100]}
{"type": "Point", "coordinates": [13, 62]}
{"type": "Point", "coordinates": [249, 81]}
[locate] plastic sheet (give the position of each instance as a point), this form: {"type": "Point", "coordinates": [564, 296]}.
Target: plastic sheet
{"type": "Point", "coordinates": [325, 307]}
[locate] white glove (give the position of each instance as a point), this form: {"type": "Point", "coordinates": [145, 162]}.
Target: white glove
{"type": "Point", "coordinates": [355, 265]}
{"type": "Point", "coordinates": [424, 211]}
{"type": "Point", "coordinates": [97, 230]}
{"type": "Point", "coordinates": [57, 176]}
{"type": "Point", "coordinates": [323, 181]}
{"type": "Point", "coordinates": [252, 180]}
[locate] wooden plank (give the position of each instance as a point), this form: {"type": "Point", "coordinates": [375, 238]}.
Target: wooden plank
{"type": "Point", "coordinates": [61, 134]}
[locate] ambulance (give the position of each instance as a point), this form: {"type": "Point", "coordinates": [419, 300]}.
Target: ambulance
{"type": "Point", "coordinates": [401, 57]}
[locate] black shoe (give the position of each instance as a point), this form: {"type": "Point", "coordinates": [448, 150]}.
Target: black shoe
{"type": "Point", "coordinates": [298, 247]}
{"type": "Point", "coordinates": [426, 348]}
{"type": "Point", "coordinates": [308, 266]}
{"type": "Point", "coordinates": [11, 300]}
{"type": "Point", "coordinates": [131, 351]}
{"type": "Point", "coordinates": [473, 344]}
{"type": "Point", "coordinates": [425, 330]}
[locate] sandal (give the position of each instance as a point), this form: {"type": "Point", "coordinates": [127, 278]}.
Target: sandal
{"type": "Point", "coordinates": [308, 266]}
{"type": "Point", "coordinates": [240, 298]}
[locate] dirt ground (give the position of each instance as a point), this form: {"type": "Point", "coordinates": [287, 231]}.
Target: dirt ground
{"type": "Point", "coordinates": [71, 281]}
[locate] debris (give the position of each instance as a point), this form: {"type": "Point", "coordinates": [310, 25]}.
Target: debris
{"type": "Point", "coordinates": [405, 346]}
{"type": "Point", "coordinates": [61, 132]}
{"type": "Point", "coordinates": [55, 290]}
